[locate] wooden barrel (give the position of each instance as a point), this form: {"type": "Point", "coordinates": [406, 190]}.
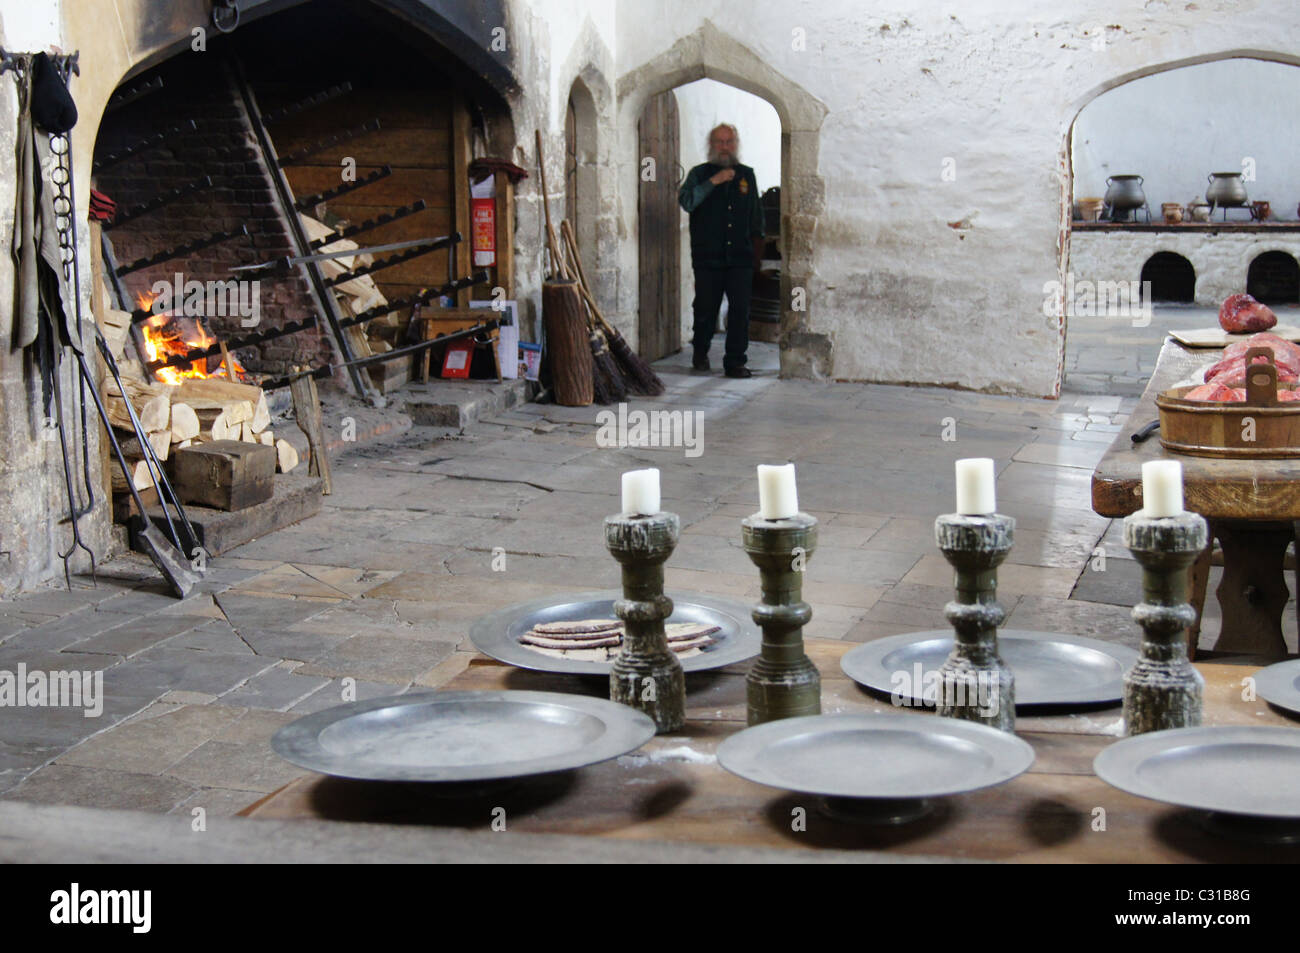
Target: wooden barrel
{"type": "Point", "coordinates": [568, 343]}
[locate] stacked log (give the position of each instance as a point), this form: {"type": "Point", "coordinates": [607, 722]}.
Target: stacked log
{"type": "Point", "coordinates": [197, 410]}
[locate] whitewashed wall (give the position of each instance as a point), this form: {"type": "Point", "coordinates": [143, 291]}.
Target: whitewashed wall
{"type": "Point", "coordinates": [1175, 128]}
{"type": "Point", "coordinates": [900, 254]}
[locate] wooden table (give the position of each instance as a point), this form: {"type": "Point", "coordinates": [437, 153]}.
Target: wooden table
{"type": "Point", "coordinates": [672, 789]}
{"type": "Point", "coordinates": [1251, 506]}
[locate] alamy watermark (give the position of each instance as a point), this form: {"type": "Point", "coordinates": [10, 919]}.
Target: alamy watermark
{"type": "Point", "coordinates": [200, 299]}
{"type": "Point", "coordinates": [917, 688]}
{"type": "Point", "coordinates": [651, 428]}
{"type": "Point", "coordinates": [1098, 299]}
{"type": "Point", "coordinates": [37, 689]}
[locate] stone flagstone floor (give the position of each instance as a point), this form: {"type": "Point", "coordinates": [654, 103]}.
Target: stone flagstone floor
{"type": "Point", "coordinates": [375, 594]}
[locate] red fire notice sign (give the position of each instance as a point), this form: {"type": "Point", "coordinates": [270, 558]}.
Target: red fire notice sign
{"type": "Point", "coordinates": [483, 217]}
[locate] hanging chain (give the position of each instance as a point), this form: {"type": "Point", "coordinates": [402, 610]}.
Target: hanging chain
{"type": "Point", "coordinates": [59, 175]}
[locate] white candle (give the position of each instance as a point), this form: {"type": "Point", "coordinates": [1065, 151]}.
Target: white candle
{"type": "Point", "coordinates": [641, 492]}
{"type": "Point", "coordinates": [975, 495]}
{"type": "Point", "coordinates": [1162, 488]}
{"type": "Point", "coordinates": [778, 498]}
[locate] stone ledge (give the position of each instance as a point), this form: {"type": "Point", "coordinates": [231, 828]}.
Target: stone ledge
{"type": "Point", "coordinates": [460, 404]}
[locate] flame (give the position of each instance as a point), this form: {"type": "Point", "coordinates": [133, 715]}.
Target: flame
{"type": "Point", "coordinates": [166, 337]}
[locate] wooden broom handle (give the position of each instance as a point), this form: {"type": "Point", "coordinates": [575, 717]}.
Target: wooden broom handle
{"type": "Point", "coordinates": [557, 261]}
{"type": "Point", "coordinates": [572, 243]}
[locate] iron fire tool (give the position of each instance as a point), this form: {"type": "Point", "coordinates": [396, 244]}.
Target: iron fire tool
{"type": "Point", "coordinates": [1162, 689]}
{"type": "Point", "coordinates": [783, 683]}
{"type": "Point", "coordinates": [176, 569]}
{"type": "Point", "coordinates": [974, 683]}
{"type": "Point", "coordinates": [646, 675]}
{"type": "Point", "coordinates": [166, 494]}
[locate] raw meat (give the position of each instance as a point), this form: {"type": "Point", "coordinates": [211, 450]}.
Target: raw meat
{"type": "Point", "coordinates": [1286, 356]}
{"type": "Point", "coordinates": [1241, 313]}
{"type": "Point", "coordinates": [1216, 392]}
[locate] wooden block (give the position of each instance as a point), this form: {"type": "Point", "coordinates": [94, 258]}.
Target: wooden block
{"type": "Point", "coordinates": [224, 474]}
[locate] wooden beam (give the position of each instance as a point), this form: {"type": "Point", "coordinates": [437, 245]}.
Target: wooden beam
{"type": "Point", "coordinates": [505, 272]}
{"type": "Point", "coordinates": [460, 159]}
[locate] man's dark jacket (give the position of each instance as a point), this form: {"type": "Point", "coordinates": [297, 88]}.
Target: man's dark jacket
{"type": "Point", "coordinates": [725, 219]}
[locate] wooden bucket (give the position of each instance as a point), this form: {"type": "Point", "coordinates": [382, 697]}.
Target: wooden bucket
{"type": "Point", "coordinates": [568, 343]}
{"type": "Point", "coordinates": [1261, 427]}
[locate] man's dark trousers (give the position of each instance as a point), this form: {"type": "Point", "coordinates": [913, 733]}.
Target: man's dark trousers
{"type": "Point", "coordinates": [737, 283]}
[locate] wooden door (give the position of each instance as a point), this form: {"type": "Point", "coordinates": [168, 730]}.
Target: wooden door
{"type": "Point", "coordinates": [659, 322]}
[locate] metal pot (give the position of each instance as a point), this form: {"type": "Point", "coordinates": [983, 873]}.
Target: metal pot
{"type": "Point", "coordinates": [1225, 189]}
{"type": "Point", "coordinates": [1124, 192]}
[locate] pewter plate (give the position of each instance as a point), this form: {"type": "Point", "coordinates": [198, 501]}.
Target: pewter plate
{"type": "Point", "coordinates": [462, 736]}
{"type": "Point", "coordinates": [1051, 668]}
{"type": "Point", "coordinates": [497, 635]}
{"type": "Point", "coordinates": [1250, 770]}
{"type": "Point", "coordinates": [1279, 685]}
{"type": "Point", "coordinates": [890, 755]}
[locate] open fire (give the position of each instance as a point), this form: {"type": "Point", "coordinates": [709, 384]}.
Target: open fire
{"type": "Point", "coordinates": [169, 335]}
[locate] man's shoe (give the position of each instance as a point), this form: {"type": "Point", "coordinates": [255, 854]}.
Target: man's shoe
{"type": "Point", "coordinates": [700, 363]}
{"type": "Point", "coordinates": [739, 372]}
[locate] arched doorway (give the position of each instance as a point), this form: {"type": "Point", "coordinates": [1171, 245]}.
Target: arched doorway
{"type": "Point", "coordinates": [581, 195]}
{"type": "Point", "coordinates": [1173, 124]}
{"type": "Point", "coordinates": [1274, 278]}
{"type": "Point", "coordinates": [804, 352]}
{"type": "Point", "coordinates": [674, 130]}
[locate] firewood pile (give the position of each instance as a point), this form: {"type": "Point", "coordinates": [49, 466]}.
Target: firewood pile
{"type": "Point", "coordinates": [197, 410]}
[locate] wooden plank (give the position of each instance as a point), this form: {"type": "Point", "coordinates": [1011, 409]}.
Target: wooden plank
{"type": "Point", "coordinates": [659, 220]}
{"type": "Point", "coordinates": [460, 158]}
{"type": "Point", "coordinates": [505, 267]}
{"type": "Point", "coordinates": [400, 148]}
{"type": "Point", "coordinates": [401, 188]}
{"type": "Point", "coordinates": [306, 408]}
{"type": "Point", "coordinates": [1215, 488]}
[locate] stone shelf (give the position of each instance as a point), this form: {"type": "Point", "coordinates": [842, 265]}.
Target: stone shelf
{"type": "Point", "coordinates": [1154, 226]}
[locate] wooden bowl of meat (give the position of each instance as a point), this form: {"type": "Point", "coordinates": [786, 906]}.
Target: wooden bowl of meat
{"type": "Point", "coordinates": [1249, 405]}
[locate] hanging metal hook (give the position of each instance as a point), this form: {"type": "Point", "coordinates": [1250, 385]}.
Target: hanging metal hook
{"type": "Point", "coordinates": [231, 8]}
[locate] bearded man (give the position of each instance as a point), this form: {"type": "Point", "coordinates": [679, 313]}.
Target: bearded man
{"type": "Point", "coordinates": [722, 198]}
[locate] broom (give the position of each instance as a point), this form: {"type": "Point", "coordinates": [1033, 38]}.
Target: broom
{"type": "Point", "coordinates": [640, 376]}
{"type": "Point", "coordinates": [607, 381]}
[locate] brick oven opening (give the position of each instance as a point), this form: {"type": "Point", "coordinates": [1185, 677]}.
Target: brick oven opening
{"type": "Point", "coordinates": [1274, 278]}
{"type": "Point", "coordinates": [1172, 277]}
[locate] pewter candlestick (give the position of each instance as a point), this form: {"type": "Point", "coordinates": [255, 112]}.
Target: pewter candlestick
{"type": "Point", "coordinates": [783, 683]}
{"type": "Point", "coordinates": [646, 675]}
{"type": "Point", "coordinates": [974, 683]}
{"type": "Point", "coordinates": [1162, 689]}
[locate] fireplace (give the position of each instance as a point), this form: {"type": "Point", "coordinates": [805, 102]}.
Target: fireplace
{"type": "Point", "coordinates": [273, 210]}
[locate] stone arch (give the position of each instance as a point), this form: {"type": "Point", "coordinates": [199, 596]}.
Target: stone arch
{"type": "Point", "coordinates": [709, 53]}
{"type": "Point", "coordinates": [1072, 112]}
